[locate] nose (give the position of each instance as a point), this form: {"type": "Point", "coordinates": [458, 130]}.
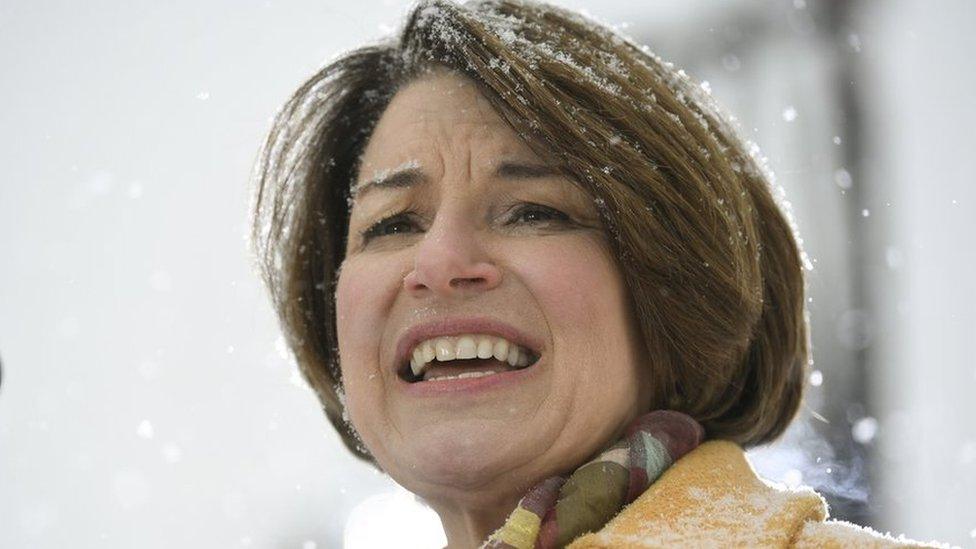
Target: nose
{"type": "Point", "coordinates": [451, 260]}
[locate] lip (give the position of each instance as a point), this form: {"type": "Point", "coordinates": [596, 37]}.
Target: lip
{"type": "Point", "coordinates": [458, 326]}
{"type": "Point", "coordinates": [471, 387]}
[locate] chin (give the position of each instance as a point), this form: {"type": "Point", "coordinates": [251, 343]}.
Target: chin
{"type": "Point", "coordinates": [465, 455]}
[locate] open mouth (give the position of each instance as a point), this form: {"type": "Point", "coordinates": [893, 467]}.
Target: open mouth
{"type": "Point", "coordinates": [463, 368]}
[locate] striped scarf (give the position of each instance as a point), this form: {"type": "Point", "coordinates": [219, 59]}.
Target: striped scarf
{"type": "Point", "coordinates": [558, 510]}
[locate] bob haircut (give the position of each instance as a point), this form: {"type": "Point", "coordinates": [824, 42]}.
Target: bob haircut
{"type": "Point", "coordinates": [712, 265]}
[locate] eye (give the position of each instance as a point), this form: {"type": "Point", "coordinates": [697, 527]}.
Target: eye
{"type": "Point", "coordinates": [536, 213]}
{"type": "Point", "coordinates": [401, 223]}
{"type": "Point", "coordinates": [387, 226]}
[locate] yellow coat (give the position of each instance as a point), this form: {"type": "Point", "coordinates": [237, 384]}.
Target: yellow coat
{"type": "Point", "coordinates": [712, 497]}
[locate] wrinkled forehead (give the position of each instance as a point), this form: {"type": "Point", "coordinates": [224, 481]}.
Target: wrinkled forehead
{"type": "Point", "coordinates": [441, 96]}
{"type": "Point", "coordinates": [440, 116]}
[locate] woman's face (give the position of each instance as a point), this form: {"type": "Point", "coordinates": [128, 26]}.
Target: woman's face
{"type": "Point", "coordinates": [486, 234]}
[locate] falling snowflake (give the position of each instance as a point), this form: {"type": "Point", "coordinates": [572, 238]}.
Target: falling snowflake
{"type": "Point", "coordinates": [865, 429]}
{"type": "Point", "coordinates": [145, 429]}
{"type": "Point", "coordinates": [816, 378]}
{"type": "Point", "coordinates": [842, 178]}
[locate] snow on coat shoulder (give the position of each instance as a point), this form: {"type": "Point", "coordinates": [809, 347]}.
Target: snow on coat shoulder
{"type": "Point", "coordinates": [712, 497]}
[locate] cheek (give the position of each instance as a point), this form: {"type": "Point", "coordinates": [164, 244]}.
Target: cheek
{"type": "Point", "coordinates": [354, 298]}
{"type": "Point", "coordinates": [579, 288]}
{"type": "Point", "coordinates": [360, 301]}
{"type": "Point", "coordinates": [585, 300]}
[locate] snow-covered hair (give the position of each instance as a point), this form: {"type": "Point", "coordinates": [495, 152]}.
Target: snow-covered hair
{"type": "Point", "coordinates": [710, 260]}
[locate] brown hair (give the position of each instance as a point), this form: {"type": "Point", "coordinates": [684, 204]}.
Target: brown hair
{"type": "Point", "coordinates": [710, 261]}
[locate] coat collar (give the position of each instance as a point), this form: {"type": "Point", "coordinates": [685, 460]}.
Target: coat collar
{"type": "Point", "coordinates": [711, 497]}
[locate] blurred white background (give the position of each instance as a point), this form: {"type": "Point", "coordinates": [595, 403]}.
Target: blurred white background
{"type": "Point", "coordinates": [148, 401]}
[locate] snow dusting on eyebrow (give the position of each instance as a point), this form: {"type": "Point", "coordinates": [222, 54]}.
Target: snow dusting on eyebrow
{"type": "Point", "coordinates": [381, 175]}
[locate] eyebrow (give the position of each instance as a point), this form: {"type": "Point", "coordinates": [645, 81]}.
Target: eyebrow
{"type": "Point", "coordinates": [408, 177]}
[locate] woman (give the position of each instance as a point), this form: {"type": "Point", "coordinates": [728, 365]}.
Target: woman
{"type": "Point", "coordinates": [534, 276]}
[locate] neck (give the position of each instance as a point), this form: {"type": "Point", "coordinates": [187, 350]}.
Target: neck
{"type": "Point", "coordinates": [467, 527]}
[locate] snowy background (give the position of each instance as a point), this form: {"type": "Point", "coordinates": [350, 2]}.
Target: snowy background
{"type": "Point", "coordinates": [148, 401]}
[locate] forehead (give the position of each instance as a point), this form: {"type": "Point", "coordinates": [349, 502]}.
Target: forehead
{"type": "Point", "coordinates": [438, 117]}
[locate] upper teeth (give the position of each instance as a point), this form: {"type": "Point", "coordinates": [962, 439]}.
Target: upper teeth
{"type": "Point", "coordinates": [467, 346]}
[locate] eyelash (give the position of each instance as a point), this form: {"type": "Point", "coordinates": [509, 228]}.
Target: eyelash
{"type": "Point", "coordinates": [376, 230]}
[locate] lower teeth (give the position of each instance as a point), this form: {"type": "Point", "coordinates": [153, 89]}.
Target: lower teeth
{"type": "Point", "coordinates": [462, 376]}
